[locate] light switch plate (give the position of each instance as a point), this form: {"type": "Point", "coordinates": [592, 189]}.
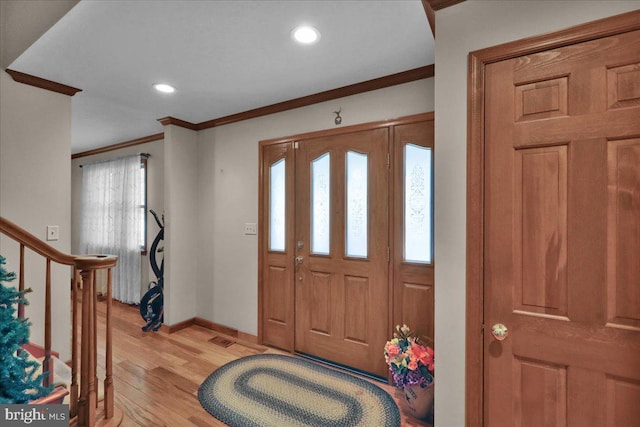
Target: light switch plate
{"type": "Point", "coordinates": [250, 228]}
{"type": "Point", "coordinates": [53, 232]}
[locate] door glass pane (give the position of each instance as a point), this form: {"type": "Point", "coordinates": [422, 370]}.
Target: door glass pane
{"type": "Point", "coordinates": [320, 203]}
{"type": "Point", "coordinates": [277, 199]}
{"type": "Point", "coordinates": [417, 204]}
{"type": "Point", "coordinates": [357, 211]}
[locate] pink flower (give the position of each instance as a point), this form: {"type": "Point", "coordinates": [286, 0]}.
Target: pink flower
{"type": "Point", "coordinates": [391, 351]}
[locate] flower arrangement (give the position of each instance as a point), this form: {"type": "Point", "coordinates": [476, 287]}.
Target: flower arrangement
{"type": "Point", "coordinates": [410, 362]}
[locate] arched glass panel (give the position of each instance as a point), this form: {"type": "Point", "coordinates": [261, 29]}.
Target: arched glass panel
{"type": "Point", "coordinates": [357, 206]}
{"type": "Point", "coordinates": [277, 206]}
{"type": "Point", "coordinates": [417, 204]}
{"type": "Point", "coordinates": [321, 205]}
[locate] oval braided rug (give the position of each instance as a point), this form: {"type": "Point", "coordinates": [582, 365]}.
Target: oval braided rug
{"type": "Point", "coordinates": [275, 390]}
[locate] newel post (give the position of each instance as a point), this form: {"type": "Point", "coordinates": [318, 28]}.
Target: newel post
{"type": "Point", "coordinates": [108, 380]}
{"type": "Point", "coordinates": [87, 403]}
{"type": "Point", "coordinates": [88, 395]}
{"type": "Point", "coordinates": [75, 389]}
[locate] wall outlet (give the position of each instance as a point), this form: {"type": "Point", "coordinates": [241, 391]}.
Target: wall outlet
{"type": "Point", "coordinates": [53, 232]}
{"type": "Point", "coordinates": [250, 228]}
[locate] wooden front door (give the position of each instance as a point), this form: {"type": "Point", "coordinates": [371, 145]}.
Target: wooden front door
{"type": "Point", "coordinates": [342, 244]}
{"type": "Point", "coordinates": [562, 236]}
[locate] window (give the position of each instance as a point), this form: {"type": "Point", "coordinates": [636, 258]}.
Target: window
{"type": "Point", "coordinates": [357, 205]}
{"type": "Point", "coordinates": [418, 206]}
{"type": "Point", "coordinates": [113, 212]}
{"type": "Point", "coordinates": [321, 204]}
{"type": "Point", "coordinates": [277, 206]}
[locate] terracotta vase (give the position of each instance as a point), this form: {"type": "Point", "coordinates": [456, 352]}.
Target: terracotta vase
{"type": "Point", "coordinates": [419, 400]}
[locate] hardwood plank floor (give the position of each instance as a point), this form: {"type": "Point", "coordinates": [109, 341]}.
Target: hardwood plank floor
{"type": "Point", "coordinates": [157, 375]}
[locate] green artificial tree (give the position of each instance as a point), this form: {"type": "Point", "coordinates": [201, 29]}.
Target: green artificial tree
{"type": "Point", "coordinates": [18, 380]}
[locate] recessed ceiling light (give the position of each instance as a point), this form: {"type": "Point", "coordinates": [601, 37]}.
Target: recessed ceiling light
{"type": "Point", "coordinates": [305, 34]}
{"type": "Point", "coordinates": [165, 88]}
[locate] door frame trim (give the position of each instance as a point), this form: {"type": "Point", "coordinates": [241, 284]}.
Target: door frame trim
{"type": "Point", "coordinates": [477, 62]}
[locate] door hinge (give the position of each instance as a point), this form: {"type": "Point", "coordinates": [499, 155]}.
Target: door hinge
{"type": "Point", "coordinates": [482, 329]}
{"type": "Point", "coordinates": [296, 145]}
{"type": "Point", "coordinates": [388, 254]}
{"type": "Point", "coordinates": [388, 161]}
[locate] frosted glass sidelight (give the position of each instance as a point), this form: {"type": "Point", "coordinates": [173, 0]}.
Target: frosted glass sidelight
{"type": "Point", "coordinates": [277, 206]}
{"type": "Point", "coordinates": [417, 204]}
{"type": "Point", "coordinates": [321, 205]}
{"type": "Point", "coordinates": [357, 206]}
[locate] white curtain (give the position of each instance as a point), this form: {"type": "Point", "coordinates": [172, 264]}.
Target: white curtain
{"type": "Point", "coordinates": [111, 220]}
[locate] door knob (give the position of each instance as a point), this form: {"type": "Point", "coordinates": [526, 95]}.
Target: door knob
{"type": "Point", "coordinates": [298, 259]}
{"type": "Point", "coordinates": [499, 331]}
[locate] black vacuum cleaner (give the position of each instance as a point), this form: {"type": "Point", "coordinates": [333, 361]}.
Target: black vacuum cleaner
{"type": "Point", "coordinates": [152, 303]}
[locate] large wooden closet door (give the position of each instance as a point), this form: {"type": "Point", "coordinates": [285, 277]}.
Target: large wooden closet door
{"type": "Point", "coordinates": [341, 279]}
{"type": "Point", "coordinates": [562, 236]}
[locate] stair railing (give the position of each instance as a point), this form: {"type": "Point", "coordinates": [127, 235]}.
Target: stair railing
{"type": "Point", "coordinates": [84, 407]}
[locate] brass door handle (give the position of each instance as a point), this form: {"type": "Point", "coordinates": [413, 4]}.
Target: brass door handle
{"type": "Point", "coordinates": [499, 331]}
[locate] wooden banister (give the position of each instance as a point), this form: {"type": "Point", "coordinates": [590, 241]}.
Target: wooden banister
{"type": "Point", "coordinates": [22, 236]}
{"type": "Point", "coordinates": [84, 407]}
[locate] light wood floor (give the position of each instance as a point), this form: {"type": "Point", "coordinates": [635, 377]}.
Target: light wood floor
{"type": "Point", "coordinates": [157, 375]}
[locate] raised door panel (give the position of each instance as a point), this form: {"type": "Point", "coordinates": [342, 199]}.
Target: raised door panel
{"type": "Point", "coordinates": [540, 233]}
{"type": "Point", "coordinates": [417, 307]}
{"type": "Point", "coordinates": [542, 392]}
{"type": "Point", "coordinates": [623, 265]}
{"type": "Point", "coordinates": [278, 289]}
{"type": "Point", "coordinates": [621, 401]}
{"type": "Point", "coordinates": [356, 298]}
{"type": "Point", "coordinates": [320, 318]}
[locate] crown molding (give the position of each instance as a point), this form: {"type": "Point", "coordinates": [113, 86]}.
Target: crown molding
{"type": "Point", "coordinates": [137, 141]}
{"type": "Point", "coordinates": [354, 89]}
{"type": "Point", "coordinates": [441, 4]}
{"type": "Point", "coordinates": [177, 122]}
{"type": "Point", "coordinates": [30, 80]}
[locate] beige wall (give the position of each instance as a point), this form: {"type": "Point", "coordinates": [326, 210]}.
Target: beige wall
{"type": "Point", "coordinates": [228, 192]}
{"type": "Point", "coordinates": [155, 196]}
{"type": "Point", "coordinates": [462, 28]}
{"type": "Point", "coordinates": [35, 191]}
{"type": "Point", "coordinates": [181, 221]}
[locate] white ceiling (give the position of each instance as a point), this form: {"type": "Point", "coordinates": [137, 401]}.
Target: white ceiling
{"type": "Point", "coordinates": [223, 57]}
